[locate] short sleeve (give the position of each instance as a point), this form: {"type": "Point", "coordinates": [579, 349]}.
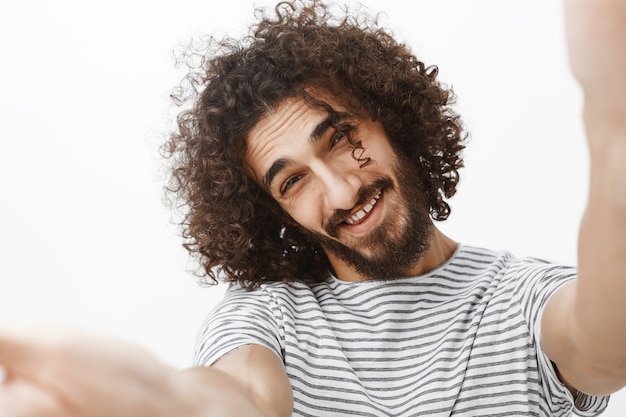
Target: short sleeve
{"type": "Point", "coordinates": [241, 318]}
{"type": "Point", "coordinates": [538, 281]}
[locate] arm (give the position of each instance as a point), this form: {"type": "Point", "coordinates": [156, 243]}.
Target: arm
{"type": "Point", "coordinates": [61, 373]}
{"type": "Point", "coordinates": [262, 375]}
{"type": "Point", "coordinates": [583, 324]}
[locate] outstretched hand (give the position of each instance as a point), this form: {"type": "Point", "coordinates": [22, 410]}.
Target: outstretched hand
{"type": "Point", "coordinates": [596, 34]}
{"type": "Point", "coordinates": [54, 372]}
{"type": "Point", "coordinates": [58, 372]}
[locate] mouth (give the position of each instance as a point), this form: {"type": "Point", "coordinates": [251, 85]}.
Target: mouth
{"type": "Point", "coordinates": [364, 211]}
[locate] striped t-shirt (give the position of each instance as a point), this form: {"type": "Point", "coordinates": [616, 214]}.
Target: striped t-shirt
{"type": "Point", "coordinates": [461, 340]}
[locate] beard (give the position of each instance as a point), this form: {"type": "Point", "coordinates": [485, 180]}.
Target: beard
{"type": "Point", "coordinates": [397, 244]}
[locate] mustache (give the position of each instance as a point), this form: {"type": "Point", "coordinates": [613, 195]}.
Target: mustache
{"type": "Point", "coordinates": [331, 224]}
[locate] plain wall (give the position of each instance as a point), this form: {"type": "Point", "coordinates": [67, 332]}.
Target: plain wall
{"type": "Point", "coordinates": [84, 236]}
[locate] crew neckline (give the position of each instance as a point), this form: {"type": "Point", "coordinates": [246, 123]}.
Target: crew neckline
{"type": "Point", "coordinates": [373, 282]}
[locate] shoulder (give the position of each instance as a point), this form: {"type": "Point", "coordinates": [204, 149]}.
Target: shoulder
{"type": "Point", "coordinates": [507, 263]}
{"type": "Point", "coordinates": [277, 292]}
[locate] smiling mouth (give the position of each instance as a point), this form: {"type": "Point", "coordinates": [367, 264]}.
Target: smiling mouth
{"type": "Point", "coordinates": [359, 215]}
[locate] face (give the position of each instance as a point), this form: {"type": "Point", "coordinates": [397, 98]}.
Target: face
{"type": "Point", "coordinates": [340, 180]}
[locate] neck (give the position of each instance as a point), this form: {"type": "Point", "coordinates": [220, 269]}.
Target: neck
{"type": "Point", "coordinates": [440, 249]}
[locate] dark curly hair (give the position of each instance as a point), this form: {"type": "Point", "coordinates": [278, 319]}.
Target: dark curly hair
{"type": "Point", "coordinates": [238, 231]}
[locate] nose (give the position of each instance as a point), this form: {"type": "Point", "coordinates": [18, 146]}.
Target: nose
{"type": "Point", "coordinates": [339, 188]}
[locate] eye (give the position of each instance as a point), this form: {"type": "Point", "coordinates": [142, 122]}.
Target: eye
{"type": "Point", "coordinates": [340, 134]}
{"type": "Point", "coordinates": [291, 181]}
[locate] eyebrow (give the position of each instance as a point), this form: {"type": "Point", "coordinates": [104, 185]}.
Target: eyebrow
{"type": "Point", "coordinates": [282, 163]}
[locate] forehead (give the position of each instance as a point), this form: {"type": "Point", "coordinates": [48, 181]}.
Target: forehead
{"type": "Point", "coordinates": [290, 115]}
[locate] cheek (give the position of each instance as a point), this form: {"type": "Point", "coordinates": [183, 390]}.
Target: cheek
{"type": "Point", "coordinates": [306, 212]}
{"type": "Point", "coordinates": [384, 154]}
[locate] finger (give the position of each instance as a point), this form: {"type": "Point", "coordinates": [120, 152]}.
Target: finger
{"type": "Point", "coordinates": [19, 398]}
{"type": "Point", "coordinates": [19, 351]}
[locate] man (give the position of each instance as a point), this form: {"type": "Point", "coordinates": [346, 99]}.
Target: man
{"type": "Point", "coordinates": [311, 164]}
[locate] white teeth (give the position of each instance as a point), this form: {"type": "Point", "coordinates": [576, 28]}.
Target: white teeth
{"type": "Point", "coordinates": [366, 209]}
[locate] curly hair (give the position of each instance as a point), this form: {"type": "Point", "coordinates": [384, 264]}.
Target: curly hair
{"type": "Point", "coordinates": [237, 230]}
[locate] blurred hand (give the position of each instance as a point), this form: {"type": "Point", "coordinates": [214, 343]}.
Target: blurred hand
{"type": "Point", "coordinates": [57, 372]}
{"type": "Point", "coordinates": [596, 37]}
